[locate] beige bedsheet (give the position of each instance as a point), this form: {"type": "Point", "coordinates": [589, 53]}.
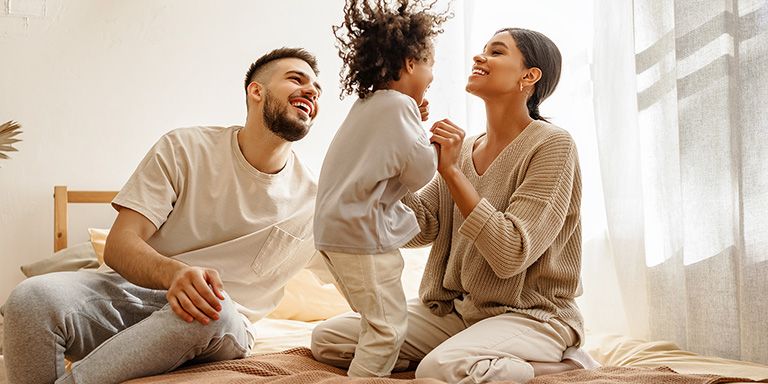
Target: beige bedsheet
{"type": "Point", "coordinates": [273, 335]}
{"type": "Point", "coordinates": [617, 350]}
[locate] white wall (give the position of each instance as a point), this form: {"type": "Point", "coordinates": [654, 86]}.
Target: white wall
{"type": "Point", "coordinates": [95, 83]}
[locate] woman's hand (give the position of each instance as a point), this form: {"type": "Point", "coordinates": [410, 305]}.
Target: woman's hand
{"type": "Point", "coordinates": [424, 109]}
{"type": "Point", "coordinates": [449, 139]}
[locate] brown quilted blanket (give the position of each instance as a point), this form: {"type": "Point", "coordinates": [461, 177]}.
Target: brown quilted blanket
{"type": "Point", "coordinates": [294, 366]}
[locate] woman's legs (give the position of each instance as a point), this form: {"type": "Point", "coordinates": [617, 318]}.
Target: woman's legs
{"type": "Point", "coordinates": [334, 341]}
{"type": "Point", "coordinates": [454, 358]}
{"type": "Point", "coordinates": [498, 348]}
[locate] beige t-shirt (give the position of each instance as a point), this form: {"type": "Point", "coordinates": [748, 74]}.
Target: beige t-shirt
{"type": "Point", "coordinates": [379, 154]}
{"type": "Point", "coordinates": [213, 209]}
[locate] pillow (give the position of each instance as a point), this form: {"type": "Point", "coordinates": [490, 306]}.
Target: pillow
{"type": "Point", "coordinates": [415, 259]}
{"type": "Point", "coordinates": [78, 256]}
{"type": "Point", "coordinates": [308, 299]}
{"type": "Point", "coordinates": [98, 240]}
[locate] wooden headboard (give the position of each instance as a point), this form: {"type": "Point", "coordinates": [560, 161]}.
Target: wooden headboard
{"type": "Point", "coordinates": [61, 198]}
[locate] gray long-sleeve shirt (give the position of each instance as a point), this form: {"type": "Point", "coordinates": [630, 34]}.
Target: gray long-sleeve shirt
{"type": "Point", "coordinates": [379, 153]}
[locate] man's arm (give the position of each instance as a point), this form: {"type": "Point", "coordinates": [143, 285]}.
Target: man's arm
{"type": "Point", "coordinates": [193, 292]}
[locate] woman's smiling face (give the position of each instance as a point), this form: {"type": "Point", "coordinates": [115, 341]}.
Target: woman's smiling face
{"type": "Point", "coordinates": [498, 69]}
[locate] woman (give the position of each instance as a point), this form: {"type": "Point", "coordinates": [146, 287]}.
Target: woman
{"type": "Point", "coordinates": [497, 299]}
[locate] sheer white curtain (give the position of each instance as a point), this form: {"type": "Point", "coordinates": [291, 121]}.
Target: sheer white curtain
{"type": "Point", "coordinates": [570, 25]}
{"type": "Point", "coordinates": [680, 116]}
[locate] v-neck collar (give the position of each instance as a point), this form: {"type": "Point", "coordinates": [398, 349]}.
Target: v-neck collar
{"type": "Point", "coordinates": [493, 162]}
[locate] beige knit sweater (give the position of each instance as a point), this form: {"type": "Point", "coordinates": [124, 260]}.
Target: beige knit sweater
{"type": "Point", "coordinates": [520, 248]}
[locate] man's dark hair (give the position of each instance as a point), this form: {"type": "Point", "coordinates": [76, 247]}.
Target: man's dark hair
{"type": "Point", "coordinates": [374, 40]}
{"type": "Point", "coordinates": [260, 65]}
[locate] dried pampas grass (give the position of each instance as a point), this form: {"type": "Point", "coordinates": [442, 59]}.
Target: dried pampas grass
{"type": "Point", "coordinates": [8, 132]}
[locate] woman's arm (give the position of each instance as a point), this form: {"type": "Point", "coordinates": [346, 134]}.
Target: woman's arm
{"type": "Point", "coordinates": [512, 240]}
{"type": "Point", "coordinates": [424, 204]}
{"type": "Point", "coordinates": [193, 292]}
{"type": "Point", "coordinates": [449, 138]}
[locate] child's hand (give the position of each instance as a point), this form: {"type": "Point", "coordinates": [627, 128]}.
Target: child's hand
{"type": "Point", "coordinates": [449, 138]}
{"type": "Point", "coordinates": [424, 109]}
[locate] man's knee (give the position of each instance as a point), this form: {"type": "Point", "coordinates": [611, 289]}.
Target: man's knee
{"type": "Point", "coordinates": [220, 339]}
{"type": "Point", "coordinates": [229, 321]}
{"type": "Point", "coordinates": [229, 316]}
{"type": "Point", "coordinates": [38, 295]}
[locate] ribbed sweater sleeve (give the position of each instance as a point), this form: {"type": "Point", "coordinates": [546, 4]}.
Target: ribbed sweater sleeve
{"type": "Point", "coordinates": [513, 239]}
{"type": "Point", "coordinates": [424, 204]}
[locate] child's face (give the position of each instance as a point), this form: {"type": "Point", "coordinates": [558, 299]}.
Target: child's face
{"type": "Point", "coordinates": [422, 77]}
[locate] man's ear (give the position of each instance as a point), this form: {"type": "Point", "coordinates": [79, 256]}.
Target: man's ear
{"type": "Point", "coordinates": [532, 76]}
{"type": "Point", "coordinates": [255, 91]}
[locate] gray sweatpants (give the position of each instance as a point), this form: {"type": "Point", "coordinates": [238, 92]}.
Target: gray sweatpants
{"type": "Point", "coordinates": [111, 329]}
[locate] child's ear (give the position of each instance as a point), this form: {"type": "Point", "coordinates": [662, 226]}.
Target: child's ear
{"type": "Point", "coordinates": [410, 64]}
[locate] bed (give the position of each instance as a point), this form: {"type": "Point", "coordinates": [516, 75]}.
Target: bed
{"type": "Point", "coordinates": [281, 354]}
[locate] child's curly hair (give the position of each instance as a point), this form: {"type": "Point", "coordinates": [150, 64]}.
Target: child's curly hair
{"type": "Point", "coordinates": [374, 40]}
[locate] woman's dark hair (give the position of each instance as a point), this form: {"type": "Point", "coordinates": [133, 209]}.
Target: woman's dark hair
{"type": "Point", "coordinates": [540, 52]}
{"type": "Point", "coordinates": [375, 39]}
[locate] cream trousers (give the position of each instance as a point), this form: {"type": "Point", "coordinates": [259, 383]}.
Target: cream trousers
{"type": "Point", "coordinates": [371, 284]}
{"type": "Point", "coordinates": [496, 348]}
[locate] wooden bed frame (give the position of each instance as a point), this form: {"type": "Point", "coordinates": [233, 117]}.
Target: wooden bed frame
{"type": "Point", "coordinates": [61, 198]}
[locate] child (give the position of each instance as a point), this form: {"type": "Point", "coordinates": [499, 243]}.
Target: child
{"type": "Point", "coordinates": [379, 153]}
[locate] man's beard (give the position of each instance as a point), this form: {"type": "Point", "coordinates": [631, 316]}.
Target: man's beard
{"type": "Point", "coordinates": [277, 120]}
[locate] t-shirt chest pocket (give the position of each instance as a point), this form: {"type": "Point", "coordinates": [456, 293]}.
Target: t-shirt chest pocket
{"type": "Point", "coordinates": [277, 250]}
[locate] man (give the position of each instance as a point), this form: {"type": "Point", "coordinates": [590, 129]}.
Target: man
{"type": "Point", "coordinates": [207, 209]}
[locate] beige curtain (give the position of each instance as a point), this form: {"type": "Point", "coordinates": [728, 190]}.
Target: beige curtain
{"type": "Point", "coordinates": [680, 92]}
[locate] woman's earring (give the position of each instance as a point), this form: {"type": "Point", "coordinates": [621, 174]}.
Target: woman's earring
{"type": "Point", "coordinates": [521, 87]}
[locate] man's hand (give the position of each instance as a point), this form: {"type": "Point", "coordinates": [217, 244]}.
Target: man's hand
{"type": "Point", "coordinates": [194, 294]}
{"type": "Point", "coordinates": [424, 110]}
